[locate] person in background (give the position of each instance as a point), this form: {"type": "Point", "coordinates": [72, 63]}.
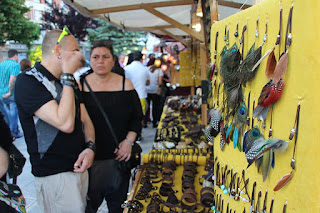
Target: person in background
{"type": "Point", "coordinates": [11, 195]}
{"type": "Point", "coordinates": [121, 60]}
{"type": "Point", "coordinates": [156, 78]}
{"type": "Point", "coordinates": [5, 143]}
{"type": "Point", "coordinates": [117, 68]}
{"type": "Point", "coordinates": [130, 59]}
{"type": "Point", "coordinates": [25, 64]}
{"type": "Point", "coordinates": [151, 59]}
{"type": "Point", "coordinates": [9, 70]}
{"type": "Point", "coordinates": [121, 104]}
{"type": "Point", "coordinates": [57, 128]}
{"type": "Point", "coordinates": [139, 76]}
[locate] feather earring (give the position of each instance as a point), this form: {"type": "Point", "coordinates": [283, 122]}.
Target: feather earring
{"type": "Point", "coordinates": [250, 65]}
{"type": "Point", "coordinates": [281, 68]}
{"type": "Point", "coordinates": [240, 121]}
{"type": "Point", "coordinates": [282, 65]}
{"type": "Point", "coordinates": [261, 146]}
{"type": "Point", "coordinates": [249, 138]}
{"type": "Point", "coordinates": [270, 93]}
{"type": "Point", "coordinates": [286, 178]}
{"type": "Point", "coordinates": [213, 129]}
{"type": "Point", "coordinates": [248, 120]}
{"type": "Point", "coordinates": [266, 164]}
{"type": "Point", "coordinates": [271, 64]}
{"type": "Point", "coordinates": [213, 70]}
{"type": "Point", "coordinates": [283, 181]}
{"type": "Point", "coordinates": [229, 69]}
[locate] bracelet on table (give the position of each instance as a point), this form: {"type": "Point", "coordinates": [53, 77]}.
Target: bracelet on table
{"type": "Point", "coordinates": [91, 145]}
{"type": "Point", "coordinates": [129, 141]}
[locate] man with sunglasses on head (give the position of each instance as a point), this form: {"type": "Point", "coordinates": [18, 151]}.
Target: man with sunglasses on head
{"type": "Point", "coordinates": [58, 131]}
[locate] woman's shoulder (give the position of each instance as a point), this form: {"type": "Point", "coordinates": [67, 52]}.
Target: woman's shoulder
{"type": "Point", "coordinates": [128, 84]}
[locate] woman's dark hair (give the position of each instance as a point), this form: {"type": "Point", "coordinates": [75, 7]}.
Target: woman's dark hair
{"type": "Point", "coordinates": [25, 64]}
{"type": "Point", "coordinates": [153, 67]}
{"type": "Point", "coordinates": [117, 68]}
{"type": "Point", "coordinates": [151, 62]}
{"type": "Point", "coordinates": [102, 43]}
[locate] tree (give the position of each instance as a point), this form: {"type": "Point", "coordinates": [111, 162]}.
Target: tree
{"type": "Point", "coordinates": [14, 25]}
{"type": "Point", "coordinates": [122, 41]}
{"type": "Point", "coordinates": [36, 55]}
{"type": "Point", "coordinates": [59, 17]}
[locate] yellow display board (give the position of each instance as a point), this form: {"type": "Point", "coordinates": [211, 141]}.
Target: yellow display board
{"type": "Point", "coordinates": [189, 69]}
{"type": "Point", "coordinates": [302, 83]}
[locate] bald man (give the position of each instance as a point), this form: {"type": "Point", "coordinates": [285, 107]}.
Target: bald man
{"type": "Point", "coordinates": [58, 131]}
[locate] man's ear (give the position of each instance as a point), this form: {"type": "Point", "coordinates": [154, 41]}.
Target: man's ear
{"type": "Point", "coordinates": [57, 50]}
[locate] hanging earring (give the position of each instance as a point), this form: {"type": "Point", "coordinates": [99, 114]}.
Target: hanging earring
{"type": "Point", "coordinates": [59, 57]}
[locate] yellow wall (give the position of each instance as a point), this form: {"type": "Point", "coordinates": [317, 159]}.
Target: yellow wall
{"type": "Point", "coordinates": [302, 81]}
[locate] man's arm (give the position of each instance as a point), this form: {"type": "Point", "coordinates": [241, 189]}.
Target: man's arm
{"type": "Point", "coordinates": [86, 157]}
{"type": "Point", "coordinates": [60, 116]}
{"type": "Point", "coordinates": [12, 81]}
{"type": "Point", "coordinates": [87, 123]}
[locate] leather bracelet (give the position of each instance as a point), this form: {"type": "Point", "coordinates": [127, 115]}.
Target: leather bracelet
{"type": "Point", "coordinates": [91, 145]}
{"type": "Point", "coordinates": [67, 79]}
{"type": "Point", "coordinates": [129, 141]}
{"type": "Point", "coordinates": [69, 85]}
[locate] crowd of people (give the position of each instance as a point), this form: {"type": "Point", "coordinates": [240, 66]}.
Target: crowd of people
{"type": "Point", "coordinates": [72, 149]}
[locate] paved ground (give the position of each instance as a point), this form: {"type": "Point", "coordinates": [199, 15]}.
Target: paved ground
{"type": "Point", "coordinates": [26, 179]}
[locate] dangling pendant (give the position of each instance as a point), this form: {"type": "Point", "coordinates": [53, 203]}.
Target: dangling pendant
{"type": "Point", "coordinates": [292, 164]}
{"type": "Point", "coordinates": [292, 131]}
{"type": "Point", "coordinates": [236, 197]}
{"type": "Point", "coordinates": [270, 133]}
{"type": "Point", "coordinates": [232, 193]}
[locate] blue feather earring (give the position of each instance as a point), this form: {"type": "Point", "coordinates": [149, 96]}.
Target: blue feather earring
{"type": "Point", "coordinates": [240, 121]}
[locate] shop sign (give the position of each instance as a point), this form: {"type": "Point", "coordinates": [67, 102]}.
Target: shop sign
{"type": "Point", "coordinates": [18, 46]}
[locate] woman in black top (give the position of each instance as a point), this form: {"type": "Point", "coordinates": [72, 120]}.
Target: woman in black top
{"type": "Point", "coordinates": [121, 103]}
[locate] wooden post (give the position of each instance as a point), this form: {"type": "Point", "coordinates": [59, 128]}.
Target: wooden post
{"type": "Point", "coordinates": [203, 68]}
{"type": "Point", "coordinates": [214, 11]}
{"type": "Point", "coordinates": [192, 90]}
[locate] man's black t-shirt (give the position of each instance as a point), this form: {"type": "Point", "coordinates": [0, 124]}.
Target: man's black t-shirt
{"type": "Point", "coordinates": [51, 151]}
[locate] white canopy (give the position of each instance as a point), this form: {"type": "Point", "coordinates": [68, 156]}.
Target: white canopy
{"type": "Point", "coordinates": [167, 17]}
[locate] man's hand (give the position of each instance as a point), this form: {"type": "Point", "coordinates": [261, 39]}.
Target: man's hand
{"type": "Point", "coordinates": [72, 61]}
{"type": "Point", "coordinates": [7, 95]}
{"type": "Point", "coordinates": [124, 151]}
{"type": "Point", "coordinates": [84, 161]}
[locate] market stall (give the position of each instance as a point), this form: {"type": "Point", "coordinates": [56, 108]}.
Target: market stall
{"type": "Point", "coordinates": [180, 125]}
{"type": "Point", "coordinates": [263, 112]}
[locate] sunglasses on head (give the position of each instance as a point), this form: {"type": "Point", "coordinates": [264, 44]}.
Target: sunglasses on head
{"type": "Point", "coordinates": [64, 33]}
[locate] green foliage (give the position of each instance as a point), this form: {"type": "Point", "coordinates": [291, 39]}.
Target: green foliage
{"type": "Point", "coordinates": [14, 25]}
{"type": "Point", "coordinates": [35, 55]}
{"type": "Point", "coordinates": [57, 18]}
{"type": "Point", "coordinates": [123, 42]}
